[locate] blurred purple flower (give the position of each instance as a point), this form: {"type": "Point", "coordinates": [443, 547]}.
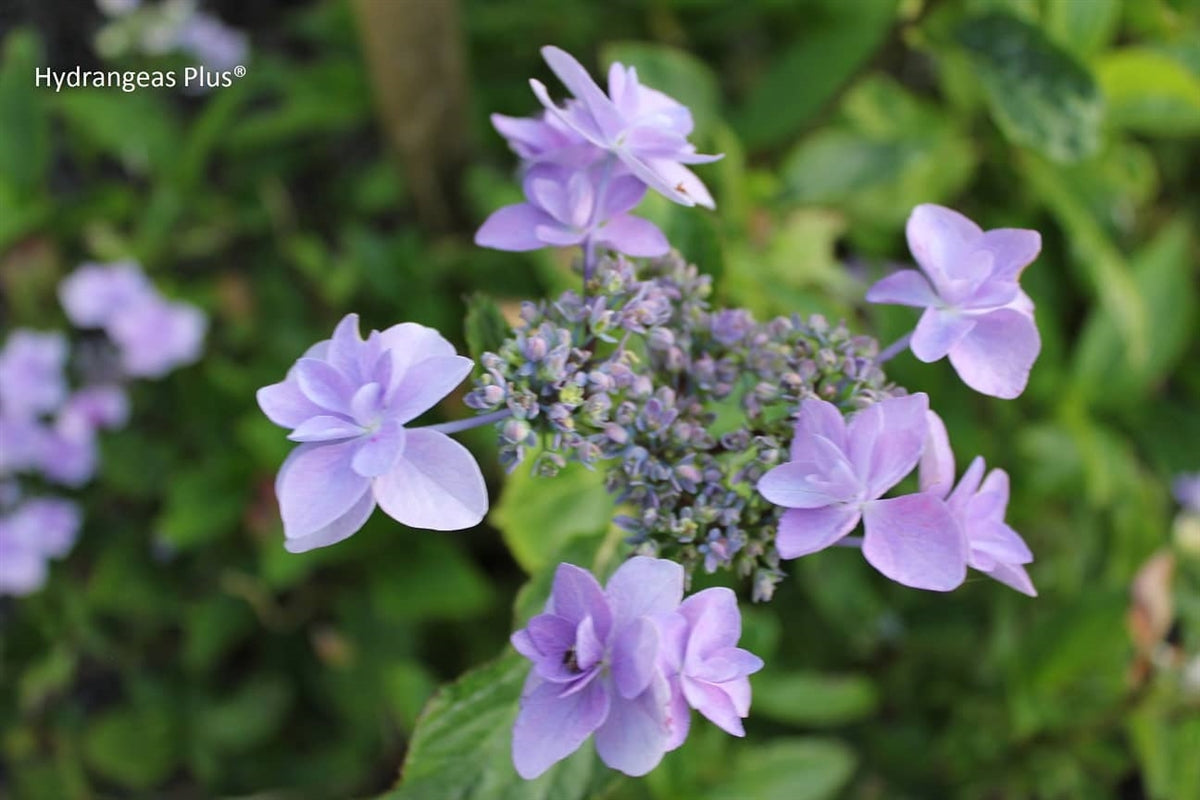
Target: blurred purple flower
{"type": "Point", "coordinates": [95, 407]}
{"type": "Point", "coordinates": [95, 293]}
{"type": "Point", "coordinates": [155, 336]}
{"type": "Point", "coordinates": [348, 401]}
{"type": "Point", "coordinates": [546, 139]}
{"type": "Point", "coordinates": [993, 547]}
{"type": "Point", "coordinates": [975, 311]}
{"type": "Point", "coordinates": [31, 373]}
{"type": "Point", "coordinates": [39, 529]}
{"type": "Point", "coordinates": [836, 476]}
{"type": "Point", "coordinates": [596, 669]}
{"type": "Point", "coordinates": [574, 207]}
{"type": "Point", "coordinates": [1186, 488]}
{"type": "Point", "coordinates": [706, 669]}
{"type": "Point", "coordinates": [644, 128]}
{"type": "Point", "coordinates": [213, 43]}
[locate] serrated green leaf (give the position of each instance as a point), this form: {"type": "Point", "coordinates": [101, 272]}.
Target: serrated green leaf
{"type": "Point", "coordinates": [1039, 95]}
{"type": "Point", "coordinates": [537, 516]}
{"type": "Point", "coordinates": [460, 749]}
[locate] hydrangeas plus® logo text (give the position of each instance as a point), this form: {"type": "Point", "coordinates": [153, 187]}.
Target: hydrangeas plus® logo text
{"type": "Point", "coordinates": [195, 78]}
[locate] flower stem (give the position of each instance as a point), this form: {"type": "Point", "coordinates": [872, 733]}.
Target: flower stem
{"type": "Point", "coordinates": [589, 244]}
{"type": "Point", "coordinates": [471, 422]}
{"type": "Point", "coordinates": [849, 541]}
{"type": "Point", "coordinates": [894, 349]}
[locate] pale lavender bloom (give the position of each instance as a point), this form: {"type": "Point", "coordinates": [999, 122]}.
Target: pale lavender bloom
{"type": "Point", "coordinates": [993, 547]}
{"type": "Point", "coordinates": [975, 311]}
{"type": "Point", "coordinates": [100, 406]}
{"type": "Point", "coordinates": [574, 207]}
{"type": "Point", "coordinates": [93, 294]}
{"type": "Point", "coordinates": [67, 452]}
{"type": "Point", "coordinates": [348, 401]}
{"type": "Point", "coordinates": [706, 669]}
{"type": "Point", "coordinates": [39, 529]}
{"type": "Point", "coordinates": [32, 381]}
{"type": "Point", "coordinates": [596, 669]}
{"type": "Point", "coordinates": [213, 43]}
{"type": "Point", "coordinates": [546, 139]}
{"type": "Point", "coordinates": [23, 441]}
{"type": "Point", "coordinates": [154, 336]}
{"type": "Point", "coordinates": [836, 476]}
{"type": "Point", "coordinates": [1187, 491]}
{"type": "Point", "coordinates": [644, 128]}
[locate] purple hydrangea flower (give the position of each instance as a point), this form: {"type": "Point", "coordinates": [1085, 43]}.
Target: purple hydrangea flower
{"type": "Point", "coordinates": [95, 293]}
{"type": "Point", "coordinates": [644, 128]}
{"type": "Point", "coordinates": [837, 475]}
{"type": "Point", "coordinates": [705, 667]}
{"type": "Point", "coordinates": [348, 401]}
{"type": "Point", "coordinates": [32, 381]}
{"type": "Point", "coordinates": [213, 43]}
{"type": "Point", "coordinates": [994, 548]}
{"type": "Point", "coordinates": [1186, 488]}
{"type": "Point", "coordinates": [574, 207]}
{"type": "Point", "coordinates": [975, 311]}
{"type": "Point", "coordinates": [155, 336]}
{"type": "Point", "coordinates": [40, 529]}
{"type": "Point", "coordinates": [546, 139]}
{"type": "Point", "coordinates": [595, 669]}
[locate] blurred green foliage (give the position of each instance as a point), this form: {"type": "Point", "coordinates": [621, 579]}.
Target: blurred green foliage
{"type": "Point", "coordinates": [180, 652]}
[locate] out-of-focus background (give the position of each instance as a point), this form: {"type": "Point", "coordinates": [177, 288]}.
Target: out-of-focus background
{"type": "Point", "coordinates": [179, 652]}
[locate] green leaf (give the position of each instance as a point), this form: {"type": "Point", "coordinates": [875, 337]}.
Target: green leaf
{"type": "Point", "coordinates": [1149, 92]}
{"type": "Point", "coordinates": [485, 327]}
{"type": "Point", "coordinates": [837, 40]}
{"type": "Point", "coordinates": [100, 118]}
{"type": "Point", "coordinates": [461, 747]}
{"type": "Point", "coordinates": [25, 144]}
{"type": "Point", "coordinates": [537, 516]}
{"type": "Point", "coordinates": [1039, 95]}
{"type": "Point", "coordinates": [1106, 368]}
{"type": "Point", "coordinates": [787, 769]}
{"type": "Point", "coordinates": [1084, 28]}
{"type": "Point", "coordinates": [811, 698]}
{"type": "Point", "coordinates": [203, 503]}
{"type": "Point", "coordinates": [134, 747]}
{"type": "Point", "coordinates": [247, 717]}
{"type": "Point", "coordinates": [674, 72]}
{"type": "Point", "coordinates": [433, 580]}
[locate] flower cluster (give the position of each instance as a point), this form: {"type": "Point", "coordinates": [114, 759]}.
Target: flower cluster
{"type": "Point", "coordinates": [172, 26]}
{"type": "Point", "coordinates": [724, 440]}
{"type": "Point", "coordinates": [627, 663]}
{"type": "Point", "coordinates": [49, 431]}
{"type": "Point", "coordinates": [588, 163]}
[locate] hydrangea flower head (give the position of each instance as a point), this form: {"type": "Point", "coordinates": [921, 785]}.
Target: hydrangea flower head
{"type": "Point", "coordinates": [644, 128]}
{"type": "Point", "coordinates": [32, 381]}
{"type": "Point", "coordinates": [155, 336]}
{"type": "Point", "coordinates": [574, 207]}
{"type": "Point", "coordinates": [94, 293]}
{"type": "Point", "coordinates": [347, 401]}
{"type": "Point", "coordinates": [1186, 489]}
{"type": "Point", "coordinates": [975, 311]}
{"type": "Point", "coordinates": [837, 474]}
{"type": "Point", "coordinates": [595, 669]}
{"type": "Point", "coordinates": [979, 504]}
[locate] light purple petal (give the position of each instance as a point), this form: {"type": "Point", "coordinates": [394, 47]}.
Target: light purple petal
{"type": "Point", "coordinates": [819, 479]}
{"type": "Point", "coordinates": [410, 343]}
{"type": "Point", "coordinates": [575, 595]}
{"type": "Point", "coordinates": [324, 428]}
{"type": "Point", "coordinates": [623, 193]}
{"type": "Point", "coordinates": [679, 715]}
{"type": "Point", "coordinates": [936, 468]}
{"type": "Point", "coordinates": [633, 236]}
{"type": "Point", "coordinates": [1013, 249]}
{"type": "Point", "coordinates": [995, 358]}
{"type": "Point", "coordinates": [1014, 576]}
{"type": "Point", "coordinates": [551, 634]}
{"type": "Point", "coordinates": [998, 542]}
{"type": "Point", "coordinates": [344, 348]}
{"type": "Point", "coordinates": [671, 179]}
{"type": "Point", "coordinates": [906, 287]}
{"type": "Point", "coordinates": [435, 484]}
{"type": "Point", "coordinates": [915, 541]}
{"type": "Point", "coordinates": [939, 239]}
{"type": "Point", "coordinates": [714, 622]}
{"type": "Point", "coordinates": [818, 418]}
{"type": "Point", "coordinates": [714, 703]}
{"type": "Point", "coordinates": [341, 528]}
{"type": "Point", "coordinates": [635, 652]}
{"type": "Point", "coordinates": [377, 452]}
{"type": "Point", "coordinates": [937, 331]}
{"type": "Point", "coordinates": [807, 530]}
{"type": "Point", "coordinates": [425, 383]}
{"type": "Point", "coordinates": [513, 228]}
{"type": "Point", "coordinates": [549, 728]}
{"type": "Point", "coordinates": [285, 405]}
{"type": "Point", "coordinates": [580, 83]}
{"type": "Point", "coordinates": [634, 737]}
{"type": "Point", "coordinates": [644, 586]}
{"type": "Point", "coordinates": [885, 441]}
{"type": "Point", "coordinates": [964, 492]}
{"type": "Point", "coordinates": [324, 385]}
{"type": "Point", "coordinates": [22, 571]}
{"type": "Point", "coordinates": [316, 486]}
{"type": "Point", "coordinates": [589, 648]}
